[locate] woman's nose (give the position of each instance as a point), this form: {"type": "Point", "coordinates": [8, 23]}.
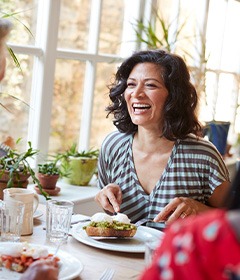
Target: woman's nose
{"type": "Point", "coordinates": [137, 91]}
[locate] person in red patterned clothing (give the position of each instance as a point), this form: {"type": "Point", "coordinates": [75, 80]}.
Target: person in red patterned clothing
{"type": "Point", "coordinates": [205, 247]}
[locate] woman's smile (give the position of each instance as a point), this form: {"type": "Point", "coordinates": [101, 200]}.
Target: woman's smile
{"type": "Point", "coordinates": [140, 107]}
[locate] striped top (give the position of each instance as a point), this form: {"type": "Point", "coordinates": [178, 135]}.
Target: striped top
{"type": "Point", "coordinates": [194, 169]}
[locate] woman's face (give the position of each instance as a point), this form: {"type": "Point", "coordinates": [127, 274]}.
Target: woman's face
{"type": "Point", "coordinates": [145, 95]}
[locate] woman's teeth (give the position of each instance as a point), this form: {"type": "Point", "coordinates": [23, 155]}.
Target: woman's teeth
{"type": "Point", "coordinates": [141, 107]}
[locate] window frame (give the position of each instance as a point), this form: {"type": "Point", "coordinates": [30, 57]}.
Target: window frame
{"type": "Point", "coordinates": [46, 52]}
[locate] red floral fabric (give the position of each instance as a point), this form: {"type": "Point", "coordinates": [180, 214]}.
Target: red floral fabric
{"type": "Point", "coordinates": [203, 247]}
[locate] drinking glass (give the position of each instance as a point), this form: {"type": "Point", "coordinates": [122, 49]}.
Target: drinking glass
{"type": "Point", "coordinates": [11, 220]}
{"type": "Point", "coordinates": [59, 213]}
{"type": "Point", "coordinates": [150, 248]}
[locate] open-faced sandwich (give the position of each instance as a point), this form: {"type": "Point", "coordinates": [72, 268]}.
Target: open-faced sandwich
{"type": "Point", "coordinates": [105, 225]}
{"type": "Point", "coordinates": [18, 256]}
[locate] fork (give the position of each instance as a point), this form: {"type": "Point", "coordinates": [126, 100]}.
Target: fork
{"type": "Point", "coordinates": [57, 249]}
{"type": "Point", "coordinates": [107, 274]}
{"type": "Point", "coordinates": [143, 221]}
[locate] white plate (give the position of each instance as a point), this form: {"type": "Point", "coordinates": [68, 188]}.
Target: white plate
{"type": "Point", "coordinates": [69, 269]}
{"type": "Point", "coordinates": [133, 245]}
{"type": "Point", "coordinates": [37, 214]}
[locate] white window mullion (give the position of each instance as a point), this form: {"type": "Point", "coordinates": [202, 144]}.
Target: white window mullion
{"type": "Point", "coordinates": [132, 13]}
{"type": "Point", "coordinates": [26, 49]}
{"type": "Point", "coordinates": [149, 10]}
{"type": "Point", "coordinates": [90, 76]}
{"type": "Point", "coordinates": [43, 75]}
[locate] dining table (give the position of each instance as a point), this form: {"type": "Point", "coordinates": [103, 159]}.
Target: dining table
{"type": "Point", "coordinates": [127, 265]}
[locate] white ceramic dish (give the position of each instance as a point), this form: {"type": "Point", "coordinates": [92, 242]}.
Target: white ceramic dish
{"type": "Point", "coordinates": [70, 267]}
{"type": "Point", "coordinates": [133, 245]}
{"type": "Point", "coordinates": [37, 214]}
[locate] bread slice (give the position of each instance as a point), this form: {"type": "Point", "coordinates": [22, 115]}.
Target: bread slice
{"type": "Point", "coordinates": [110, 229]}
{"type": "Point", "coordinates": [109, 232]}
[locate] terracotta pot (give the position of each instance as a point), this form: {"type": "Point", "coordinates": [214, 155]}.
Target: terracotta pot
{"type": "Point", "coordinates": [20, 181]}
{"type": "Point", "coordinates": [48, 181]}
{"type": "Point", "coordinates": [18, 177]}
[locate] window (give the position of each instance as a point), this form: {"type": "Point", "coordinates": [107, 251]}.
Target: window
{"type": "Point", "coordinates": [75, 50]}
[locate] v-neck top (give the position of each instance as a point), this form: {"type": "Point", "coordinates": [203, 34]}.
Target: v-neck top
{"type": "Point", "coordinates": [194, 169]}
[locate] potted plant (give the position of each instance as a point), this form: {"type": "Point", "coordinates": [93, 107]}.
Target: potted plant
{"type": "Point", "coordinates": [48, 175]}
{"type": "Point", "coordinates": [79, 166]}
{"type": "Point", "coordinates": [15, 168]}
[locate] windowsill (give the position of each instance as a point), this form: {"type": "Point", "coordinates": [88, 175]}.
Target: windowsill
{"type": "Point", "coordinates": [82, 196]}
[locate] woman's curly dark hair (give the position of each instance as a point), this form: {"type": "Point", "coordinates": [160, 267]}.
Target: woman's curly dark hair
{"type": "Point", "coordinates": [179, 110]}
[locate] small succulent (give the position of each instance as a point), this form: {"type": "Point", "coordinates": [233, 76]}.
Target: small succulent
{"type": "Point", "coordinates": [49, 168]}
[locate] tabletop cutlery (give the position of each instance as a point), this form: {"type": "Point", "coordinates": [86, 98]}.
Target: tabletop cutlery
{"type": "Point", "coordinates": [57, 249]}
{"type": "Point", "coordinates": [107, 274]}
{"type": "Point", "coordinates": [144, 221]}
{"type": "Point", "coordinates": [80, 221]}
{"type": "Point", "coordinates": [110, 237]}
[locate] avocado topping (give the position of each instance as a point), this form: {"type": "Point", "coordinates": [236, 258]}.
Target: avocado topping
{"type": "Point", "coordinates": [115, 225]}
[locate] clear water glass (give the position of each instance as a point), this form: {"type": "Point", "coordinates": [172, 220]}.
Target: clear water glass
{"type": "Point", "coordinates": [150, 249]}
{"type": "Point", "coordinates": [59, 213]}
{"type": "Point", "coordinates": [11, 220]}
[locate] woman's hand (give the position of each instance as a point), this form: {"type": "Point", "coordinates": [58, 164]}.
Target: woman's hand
{"type": "Point", "coordinates": [110, 198]}
{"type": "Point", "coordinates": [42, 269]}
{"type": "Point", "coordinates": [180, 207]}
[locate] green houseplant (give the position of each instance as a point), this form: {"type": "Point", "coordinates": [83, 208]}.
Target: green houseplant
{"type": "Point", "coordinates": [15, 168]}
{"type": "Point", "coordinates": [79, 166]}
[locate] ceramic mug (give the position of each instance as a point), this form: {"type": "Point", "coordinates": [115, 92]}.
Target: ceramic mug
{"type": "Point", "coordinates": [30, 200]}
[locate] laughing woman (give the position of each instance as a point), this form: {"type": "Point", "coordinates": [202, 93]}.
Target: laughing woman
{"type": "Point", "coordinates": [157, 165]}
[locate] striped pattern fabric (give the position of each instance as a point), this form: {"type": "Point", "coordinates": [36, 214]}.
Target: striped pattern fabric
{"type": "Point", "coordinates": [194, 169]}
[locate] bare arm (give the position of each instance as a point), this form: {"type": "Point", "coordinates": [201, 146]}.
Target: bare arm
{"type": "Point", "coordinates": [219, 195]}
{"type": "Point", "coordinates": [181, 207]}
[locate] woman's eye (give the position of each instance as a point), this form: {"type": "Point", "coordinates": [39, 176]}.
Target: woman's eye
{"type": "Point", "coordinates": [151, 85]}
{"type": "Point", "coordinates": [130, 84]}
